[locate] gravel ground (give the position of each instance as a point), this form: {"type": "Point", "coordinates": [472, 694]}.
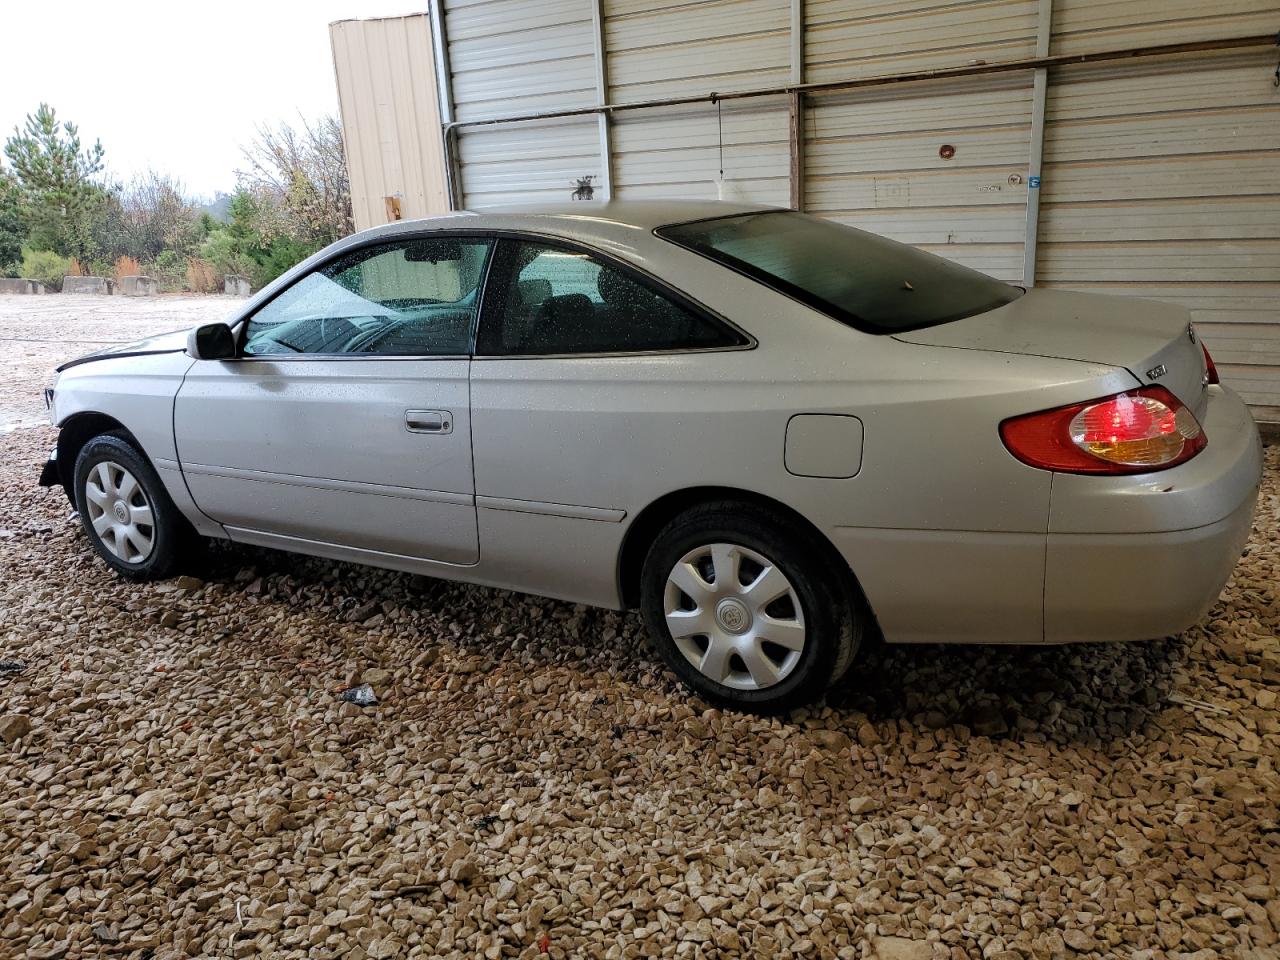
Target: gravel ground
{"type": "Point", "coordinates": [178, 776]}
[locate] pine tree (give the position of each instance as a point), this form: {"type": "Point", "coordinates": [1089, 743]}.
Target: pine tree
{"type": "Point", "coordinates": [60, 200]}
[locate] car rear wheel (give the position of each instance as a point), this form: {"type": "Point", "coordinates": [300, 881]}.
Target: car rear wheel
{"type": "Point", "coordinates": [747, 610]}
{"type": "Point", "coordinates": [125, 511]}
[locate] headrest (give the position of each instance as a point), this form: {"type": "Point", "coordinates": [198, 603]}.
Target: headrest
{"type": "Point", "coordinates": [614, 288]}
{"type": "Point", "coordinates": [533, 292]}
{"type": "Point", "coordinates": [569, 307]}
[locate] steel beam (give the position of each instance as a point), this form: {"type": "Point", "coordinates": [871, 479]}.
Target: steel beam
{"type": "Point", "coordinates": [1039, 92]}
{"type": "Point", "coordinates": [795, 107]}
{"type": "Point", "coordinates": [602, 97]}
{"type": "Point", "coordinates": [444, 93]}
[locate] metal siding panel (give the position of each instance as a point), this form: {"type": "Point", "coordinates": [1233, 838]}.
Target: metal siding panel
{"type": "Point", "coordinates": [871, 160]}
{"type": "Point", "coordinates": [389, 106]}
{"type": "Point", "coordinates": [1081, 25]}
{"type": "Point", "coordinates": [420, 121]}
{"type": "Point", "coordinates": [1181, 218]}
{"type": "Point", "coordinates": [851, 38]}
{"type": "Point", "coordinates": [349, 107]}
{"type": "Point", "coordinates": [680, 48]}
{"type": "Point", "coordinates": [509, 56]}
{"type": "Point", "coordinates": [698, 47]}
{"type": "Point", "coordinates": [1162, 180]}
{"type": "Point", "coordinates": [528, 162]}
{"type": "Point", "coordinates": [673, 152]}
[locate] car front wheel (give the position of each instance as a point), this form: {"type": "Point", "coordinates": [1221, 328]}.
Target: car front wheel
{"type": "Point", "coordinates": [125, 511]}
{"type": "Point", "coordinates": [747, 610]}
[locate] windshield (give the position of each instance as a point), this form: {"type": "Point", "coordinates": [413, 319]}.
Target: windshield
{"type": "Point", "coordinates": [868, 282]}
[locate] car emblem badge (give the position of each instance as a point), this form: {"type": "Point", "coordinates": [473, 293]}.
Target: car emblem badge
{"type": "Point", "coordinates": [1155, 373]}
{"type": "Point", "coordinates": [1191, 332]}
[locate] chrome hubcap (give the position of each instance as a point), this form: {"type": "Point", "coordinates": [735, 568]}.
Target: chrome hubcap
{"type": "Point", "coordinates": [735, 616]}
{"type": "Point", "coordinates": [120, 512]}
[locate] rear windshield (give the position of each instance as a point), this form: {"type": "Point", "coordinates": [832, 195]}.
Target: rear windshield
{"type": "Point", "coordinates": [868, 282]}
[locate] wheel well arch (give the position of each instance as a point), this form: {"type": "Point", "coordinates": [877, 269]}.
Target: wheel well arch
{"type": "Point", "coordinates": [644, 530]}
{"type": "Point", "coordinates": [75, 432]}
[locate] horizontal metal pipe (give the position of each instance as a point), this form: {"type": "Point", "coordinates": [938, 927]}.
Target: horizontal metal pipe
{"type": "Point", "coordinates": [941, 73]}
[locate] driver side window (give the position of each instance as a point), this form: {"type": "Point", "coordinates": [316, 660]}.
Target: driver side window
{"type": "Point", "coordinates": [413, 297]}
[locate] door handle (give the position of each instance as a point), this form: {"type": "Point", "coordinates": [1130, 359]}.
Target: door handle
{"type": "Point", "coordinates": [428, 421]}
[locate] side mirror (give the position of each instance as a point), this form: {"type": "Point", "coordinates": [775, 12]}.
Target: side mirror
{"type": "Point", "coordinates": [213, 341]}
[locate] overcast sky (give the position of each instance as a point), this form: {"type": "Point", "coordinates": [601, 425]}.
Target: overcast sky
{"type": "Point", "coordinates": [170, 85]}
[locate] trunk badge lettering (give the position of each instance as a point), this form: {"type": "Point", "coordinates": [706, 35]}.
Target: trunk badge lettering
{"type": "Point", "coordinates": [1155, 373]}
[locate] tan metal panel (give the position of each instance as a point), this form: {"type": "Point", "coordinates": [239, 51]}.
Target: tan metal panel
{"type": "Point", "coordinates": [674, 152]}
{"type": "Point", "coordinates": [872, 159]}
{"type": "Point", "coordinates": [527, 162]}
{"type": "Point", "coordinates": [1162, 180]}
{"type": "Point", "coordinates": [1188, 260]}
{"type": "Point", "coordinates": [850, 38]}
{"type": "Point", "coordinates": [940, 226]}
{"type": "Point", "coordinates": [1133, 89]}
{"type": "Point", "coordinates": [1179, 218]}
{"type": "Point", "coordinates": [390, 115]}
{"type": "Point", "coordinates": [671, 48]}
{"type": "Point", "coordinates": [699, 47]}
{"type": "Point", "coordinates": [1080, 25]}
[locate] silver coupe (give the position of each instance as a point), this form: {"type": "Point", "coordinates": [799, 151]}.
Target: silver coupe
{"type": "Point", "coordinates": [775, 435]}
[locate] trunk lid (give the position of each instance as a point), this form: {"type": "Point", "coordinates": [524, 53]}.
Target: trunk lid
{"type": "Point", "coordinates": [1153, 341]}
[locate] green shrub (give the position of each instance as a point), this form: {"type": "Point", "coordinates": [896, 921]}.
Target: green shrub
{"type": "Point", "coordinates": [46, 266]}
{"type": "Point", "coordinates": [281, 254]}
{"type": "Point", "coordinates": [169, 271]}
{"type": "Point", "coordinates": [226, 254]}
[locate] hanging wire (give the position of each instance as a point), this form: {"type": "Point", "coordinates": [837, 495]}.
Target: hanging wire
{"type": "Point", "coordinates": [719, 132]}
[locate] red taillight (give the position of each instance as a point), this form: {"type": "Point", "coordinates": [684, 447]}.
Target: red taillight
{"type": "Point", "coordinates": [1134, 432]}
{"type": "Point", "coordinates": [1211, 368]}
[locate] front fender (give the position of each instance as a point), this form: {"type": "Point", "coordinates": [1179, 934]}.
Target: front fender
{"type": "Point", "coordinates": [135, 392]}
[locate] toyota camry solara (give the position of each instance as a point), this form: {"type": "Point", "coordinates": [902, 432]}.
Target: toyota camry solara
{"type": "Point", "coordinates": [772, 434]}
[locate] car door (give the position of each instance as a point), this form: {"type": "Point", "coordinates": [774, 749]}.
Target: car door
{"type": "Point", "coordinates": [586, 388]}
{"type": "Point", "coordinates": [345, 420]}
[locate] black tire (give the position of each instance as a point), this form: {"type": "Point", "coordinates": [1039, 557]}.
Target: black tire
{"type": "Point", "coordinates": [833, 621]}
{"type": "Point", "coordinates": [170, 534]}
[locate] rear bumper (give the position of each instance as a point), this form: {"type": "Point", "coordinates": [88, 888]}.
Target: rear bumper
{"type": "Point", "coordinates": [1132, 558]}
{"type": "Point", "coordinates": [1123, 558]}
{"type": "Point", "coordinates": [1137, 586]}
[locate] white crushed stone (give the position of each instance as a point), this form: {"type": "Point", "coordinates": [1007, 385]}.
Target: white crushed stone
{"type": "Point", "coordinates": [178, 776]}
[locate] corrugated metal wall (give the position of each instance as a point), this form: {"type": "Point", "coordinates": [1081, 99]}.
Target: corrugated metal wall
{"type": "Point", "coordinates": [872, 160]}
{"type": "Point", "coordinates": [672, 48]}
{"type": "Point", "coordinates": [511, 56]}
{"type": "Point", "coordinates": [390, 117]}
{"type": "Point", "coordinates": [1161, 177]}
{"type": "Point", "coordinates": [856, 38]}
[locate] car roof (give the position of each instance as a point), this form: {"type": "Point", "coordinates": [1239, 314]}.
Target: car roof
{"type": "Point", "coordinates": [587, 221]}
{"type": "Point", "coordinates": [576, 217]}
